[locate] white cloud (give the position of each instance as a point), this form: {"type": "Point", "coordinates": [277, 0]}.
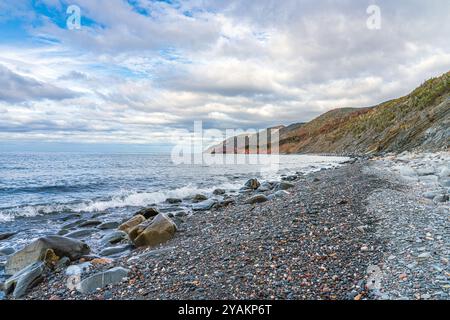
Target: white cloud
{"type": "Point", "coordinates": [144, 77]}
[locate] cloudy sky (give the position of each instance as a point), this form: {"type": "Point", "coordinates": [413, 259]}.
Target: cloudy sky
{"type": "Point", "coordinates": [141, 71]}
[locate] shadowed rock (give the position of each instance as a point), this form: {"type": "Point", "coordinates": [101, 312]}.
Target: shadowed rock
{"type": "Point", "coordinates": [36, 251]}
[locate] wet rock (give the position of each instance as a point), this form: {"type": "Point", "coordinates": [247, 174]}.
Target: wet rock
{"type": "Point", "coordinates": [115, 250]}
{"type": "Point", "coordinates": [24, 279]}
{"type": "Point", "coordinates": [71, 216]}
{"type": "Point", "coordinates": [180, 214]}
{"type": "Point", "coordinates": [6, 251]}
{"type": "Point", "coordinates": [108, 225]}
{"type": "Point", "coordinates": [133, 222]}
{"type": "Point", "coordinates": [283, 186]}
{"type": "Point", "coordinates": [219, 192]}
{"type": "Point", "coordinates": [199, 198]}
{"type": "Point", "coordinates": [90, 223]}
{"type": "Point", "coordinates": [36, 251]}
{"type": "Point", "coordinates": [6, 235]}
{"type": "Point", "coordinates": [265, 186]}
{"type": "Point", "coordinates": [259, 198]}
{"type": "Point", "coordinates": [224, 203]}
{"type": "Point", "coordinates": [102, 279]}
{"type": "Point", "coordinates": [114, 237]}
{"type": "Point", "coordinates": [159, 230]}
{"type": "Point", "coordinates": [73, 224]}
{"type": "Point", "coordinates": [147, 213]}
{"type": "Point", "coordinates": [62, 263]}
{"type": "Point", "coordinates": [290, 178]}
{"type": "Point", "coordinates": [81, 233]}
{"type": "Point", "coordinates": [252, 184]}
{"type": "Point", "coordinates": [204, 205]}
{"type": "Point", "coordinates": [63, 232]}
{"type": "Point", "coordinates": [173, 200]}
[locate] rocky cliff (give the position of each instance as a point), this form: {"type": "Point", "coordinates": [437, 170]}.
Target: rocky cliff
{"type": "Point", "coordinates": [417, 121]}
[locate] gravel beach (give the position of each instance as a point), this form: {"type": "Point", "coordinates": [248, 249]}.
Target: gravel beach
{"type": "Point", "coordinates": [359, 231]}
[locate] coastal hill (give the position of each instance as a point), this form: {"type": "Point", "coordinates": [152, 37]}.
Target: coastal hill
{"type": "Point", "coordinates": [417, 121]}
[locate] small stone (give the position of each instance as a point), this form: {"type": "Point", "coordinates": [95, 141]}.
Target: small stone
{"type": "Point", "coordinates": [424, 256]}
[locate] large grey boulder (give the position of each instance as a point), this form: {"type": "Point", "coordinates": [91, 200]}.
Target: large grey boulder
{"type": "Point", "coordinates": [25, 279]}
{"type": "Point", "coordinates": [204, 205]}
{"type": "Point", "coordinates": [265, 186]}
{"type": "Point", "coordinates": [102, 279]}
{"type": "Point", "coordinates": [114, 237]}
{"type": "Point", "coordinates": [90, 223]}
{"type": "Point", "coordinates": [81, 233]}
{"type": "Point", "coordinates": [259, 198]}
{"type": "Point", "coordinates": [283, 186]}
{"type": "Point", "coordinates": [37, 250]}
{"type": "Point", "coordinates": [110, 251]}
{"type": "Point", "coordinates": [108, 225]}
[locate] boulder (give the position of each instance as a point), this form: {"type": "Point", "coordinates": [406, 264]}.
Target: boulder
{"type": "Point", "coordinates": [199, 198]}
{"type": "Point", "coordinates": [259, 198]}
{"type": "Point", "coordinates": [204, 205]}
{"type": "Point", "coordinates": [90, 223]}
{"type": "Point", "coordinates": [283, 186]}
{"type": "Point", "coordinates": [6, 235]}
{"type": "Point", "coordinates": [173, 200]}
{"type": "Point", "coordinates": [159, 230]}
{"type": "Point", "coordinates": [252, 184]}
{"type": "Point", "coordinates": [225, 203]}
{"type": "Point", "coordinates": [133, 222]}
{"type": "Point", "coordinates": [108, 225]}
{"type": "Point", "coordinates": [137, 230]}
{"type": "Point", "coordinates": [265, 186]}
{"type": "Point", "coordinates": [102, 279]}
{"type": "Point", "coordinates": [63, 232]}
{"type": "Point", "coordinates": [73, 224]}
{"type": "Point", "coordinates": [219, 192]}
{"type": "Point", "coordinates": [290, 178]}
{"type": "Point", "coordinates": [114, 237]}
{"type": "Point", "coordinates": [24, 279]}
{"type": "Point", "coordinates": [36, 251]}
{"type": "Point", "coordinates": [81, 233]}
{"type": "Point", "coordinates": [147, 213]}
{"type": "Point", "coordinates": [110, 251]}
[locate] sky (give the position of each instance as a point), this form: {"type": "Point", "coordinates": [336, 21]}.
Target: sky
{"type": "Point", "coordinates": [140, 72]}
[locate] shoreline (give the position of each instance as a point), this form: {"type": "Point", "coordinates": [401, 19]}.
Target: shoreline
{"type": "Point", "coordinates": [329, 238]}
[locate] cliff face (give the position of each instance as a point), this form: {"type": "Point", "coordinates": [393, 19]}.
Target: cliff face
{"type": "Point", "coordinates": [420, 120]}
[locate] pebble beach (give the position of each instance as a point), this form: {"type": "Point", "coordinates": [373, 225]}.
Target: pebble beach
{"type": "Point", "coordinates": [370, 229]}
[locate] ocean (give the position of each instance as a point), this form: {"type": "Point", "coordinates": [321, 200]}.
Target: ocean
{"type": "Point", "coordinates": [39, 192]}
